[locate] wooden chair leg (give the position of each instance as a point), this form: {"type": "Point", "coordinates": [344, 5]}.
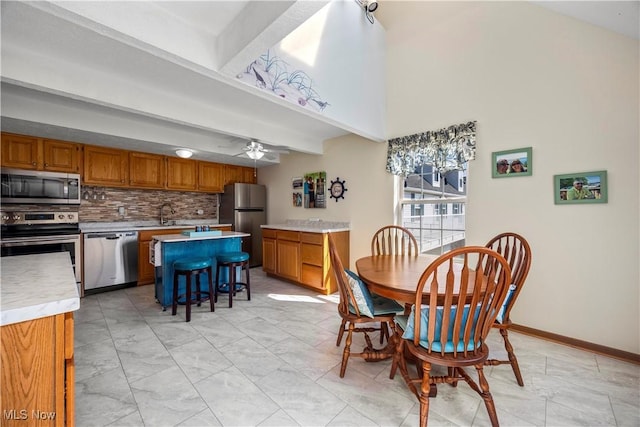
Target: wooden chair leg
{"type": "Point", "coordinates": [486, 396]}
{"type": "Point", "coordinates": [512, 357]}
{"type": "Point", "coordinates": [425, 392]}
{"type": "Point", "coordinates": [347, 350]}
{"type": "Point", "coordinates": [384, 331]}
{"type": "Point", "coordinates": [341, 332]}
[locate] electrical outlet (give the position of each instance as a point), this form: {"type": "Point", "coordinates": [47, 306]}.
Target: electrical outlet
{"type": "Point", "coordinates": [121, 210]}
{"type": "Point", "coordinates": [200, 212]}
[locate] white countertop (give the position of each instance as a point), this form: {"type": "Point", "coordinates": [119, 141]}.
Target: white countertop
{"type": "Point", "coordinates": [98, 227]}
{"type": "Point", "coordinates": [36, 286]}
{"type": "Point", "coordinates": [182, 238]}
{"type": "Point", "coordinates": [308, 226]}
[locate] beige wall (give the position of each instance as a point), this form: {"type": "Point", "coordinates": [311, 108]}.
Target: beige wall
{"type": "Point", "coordinates": [531, 78]}
{"type": "Point", "coordinates": [367, 204]}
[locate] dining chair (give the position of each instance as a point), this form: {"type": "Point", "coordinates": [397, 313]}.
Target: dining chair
{"type": "Point", "coordinates": [517, 252]}
{"type": "Point", "coordinates": [466, 287]}
{"type": "Point", "coordinates": [394, 240]}
{"type": "Point", "coordinates": [357, 306]}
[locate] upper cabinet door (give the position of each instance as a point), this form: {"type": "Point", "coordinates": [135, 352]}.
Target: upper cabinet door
{"type": "Point", "coordinates": [182, 174]}
{"type": "Point", "coordinates": [210, 177]}
{"type": "Point", "coordinates": [232, 174]}
{"type": "Point", "coordinates": [20, 151]}
{"type": "Point", "coordinates": [147, 170]}
{"type": "Point", "coordinates": [105, 166]}
{"type": "Point", "coordinates": [60, 156]}
{"type": "Point", "coordinates": [249, 175]}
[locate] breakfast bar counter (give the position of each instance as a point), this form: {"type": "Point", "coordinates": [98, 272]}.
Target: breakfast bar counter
{"type": "Point", "coordinates": [166, 249]}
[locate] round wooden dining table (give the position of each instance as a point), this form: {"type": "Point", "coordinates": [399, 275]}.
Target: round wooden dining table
{"type": "Point", "coordinates": [396, 276]}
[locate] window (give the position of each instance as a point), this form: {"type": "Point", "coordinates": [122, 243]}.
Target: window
{"type": "Point", "coordinates": [433, 209]}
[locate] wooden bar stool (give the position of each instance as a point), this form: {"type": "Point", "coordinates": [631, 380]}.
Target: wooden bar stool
{"type": "Point", "coordinates": [189, 268]}
{"type": "Point", "coordinates": [232, 260]}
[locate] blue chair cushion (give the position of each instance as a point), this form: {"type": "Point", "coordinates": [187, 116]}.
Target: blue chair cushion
{"type": "Point", "coordinates": [361, 294]}
{"type": "Point", "coordinates": [407, 322]}
{"type": "Point", "coordinates": [232, 257]}
{"type": "Point", "coordinates": [383, 305]}
{"type": "Point", "coordinates": [507, 301]}
{"type": "Point", "coordinates": [191, 263]}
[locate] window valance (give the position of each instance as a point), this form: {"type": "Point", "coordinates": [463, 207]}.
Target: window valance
{"type": "Point", "coordinates": [446, 149]}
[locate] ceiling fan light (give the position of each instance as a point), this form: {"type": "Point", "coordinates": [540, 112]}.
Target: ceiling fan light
{"type": "Point", "coordinates": [184, 153]}
{"type": "Point", "coordinates": [255, 155]}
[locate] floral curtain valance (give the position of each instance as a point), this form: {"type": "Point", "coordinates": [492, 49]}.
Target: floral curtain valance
{"type": "Point", "coordinates": [446, 149]}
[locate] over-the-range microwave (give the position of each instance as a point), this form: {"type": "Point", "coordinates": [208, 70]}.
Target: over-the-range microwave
{"type": "Point", "coordinates": [26, 187]}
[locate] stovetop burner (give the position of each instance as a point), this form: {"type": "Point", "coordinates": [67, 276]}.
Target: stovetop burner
{"type": "Point", "coordinates": [31, 224]}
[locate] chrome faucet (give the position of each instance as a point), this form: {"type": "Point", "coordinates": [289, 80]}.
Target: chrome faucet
{"type": "Point", "coordinates": [171, 211]}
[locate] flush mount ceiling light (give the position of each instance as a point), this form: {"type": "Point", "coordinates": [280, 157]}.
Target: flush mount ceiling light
{"type": "Point", "coordinates": [369, 8]}
{"type": "Point", "coordinates": [184, 153]}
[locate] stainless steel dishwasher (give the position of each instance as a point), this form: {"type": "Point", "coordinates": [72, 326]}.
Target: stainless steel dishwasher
{"type": "Point", "coordinates": [110, 258]}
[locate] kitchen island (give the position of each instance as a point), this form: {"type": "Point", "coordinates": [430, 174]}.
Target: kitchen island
{"type": "Point", "coordinates": [38, 297]}
{"type": "Point", "coordinates": [166, 249]}
{"type": "Point", "coordinates": [298, 251]}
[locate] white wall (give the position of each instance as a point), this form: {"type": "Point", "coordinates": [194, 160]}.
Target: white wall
{"type": "Point", "coordinates": [531, 78]}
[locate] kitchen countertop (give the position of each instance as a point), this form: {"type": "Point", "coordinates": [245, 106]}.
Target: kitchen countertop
{"type": "Point", "coordinates": [169, 238]}
{"type": "Point", "coordinates": [310, 226]}
{"type": "Point", "coordinates": [97, 227]}
{"type": "Point", "coordinates": [36, 286]}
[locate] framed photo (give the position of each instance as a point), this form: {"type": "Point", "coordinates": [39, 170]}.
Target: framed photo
{"type": "Point", "coordinates": [296, 183]}
{"type": "Point", "coordinates": [314, 189]}
{"type": "Point", "coordinates": [580, 187]}
{"type": "Point", "coordinates": [511, 163]}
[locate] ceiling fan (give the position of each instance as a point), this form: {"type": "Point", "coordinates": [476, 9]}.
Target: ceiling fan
{"type": "Point", "coordinates": [256, 150]}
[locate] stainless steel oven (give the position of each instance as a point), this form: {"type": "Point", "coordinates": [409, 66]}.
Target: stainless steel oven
{"type": "Point", "coordinates": [26, 233]}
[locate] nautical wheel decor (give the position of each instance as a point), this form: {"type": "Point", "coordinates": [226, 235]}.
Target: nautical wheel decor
{"type": "Point", "coordinates": [337, 189]}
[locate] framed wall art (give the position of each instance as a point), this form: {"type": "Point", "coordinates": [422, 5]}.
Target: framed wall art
{"type": "Point", "coordinates": [511, 163]}
{"type": "Point", "coordinates": [314, 189]}
{"type": "Point", "coordinates": [580, 187]}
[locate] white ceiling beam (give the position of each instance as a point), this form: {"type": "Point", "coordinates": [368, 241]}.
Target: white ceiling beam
{"type": "Point", "coordinates": [259, 26]}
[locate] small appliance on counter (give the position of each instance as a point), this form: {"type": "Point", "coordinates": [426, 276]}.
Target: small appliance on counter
{"type": "Point", "coordinates": [244, 207]}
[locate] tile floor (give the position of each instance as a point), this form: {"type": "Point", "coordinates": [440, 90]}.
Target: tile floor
{"type": "Point", "coordinates": [273, 362]}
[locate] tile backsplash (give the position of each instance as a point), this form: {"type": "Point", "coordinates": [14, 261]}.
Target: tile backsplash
{"type": "Point", "coordinates": [144, 205]}
{"type": "Point", "coordinates": [139, 205]}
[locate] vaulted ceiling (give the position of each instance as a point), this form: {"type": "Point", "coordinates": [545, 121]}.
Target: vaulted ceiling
{"type": "Point", "coordinates": [159, 75]}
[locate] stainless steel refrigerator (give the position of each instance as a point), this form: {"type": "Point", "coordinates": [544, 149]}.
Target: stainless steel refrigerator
{"type": "Point", "coordinates": [244, 207]}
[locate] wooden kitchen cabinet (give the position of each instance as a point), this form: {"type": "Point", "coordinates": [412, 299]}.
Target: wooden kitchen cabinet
{"type": "Point", "coordinates": [232, 174]}
{"type": "Point", "coordinates": [146, 270]}
{"type": "Point", "coordinates": [105, 166]}
{"type": "Point", "coordinates": [249, 175]}
{"type": "Point", "coordinates": [303, 257]}
{"type": "Point", "coordinates": [288, 254]}
{"type": "Point", "coordinates": [210, 177]}
{"type": "Point", "coordinates": [32, 153]}
{"type": "Point", "coordinates": [182, 174]}
{"type": "Point", "coordinates": [268, 250]}
{"type": "Point", "coordinates": [38, 372]}
{"type": "Point", "coordinates": [147, 170]}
